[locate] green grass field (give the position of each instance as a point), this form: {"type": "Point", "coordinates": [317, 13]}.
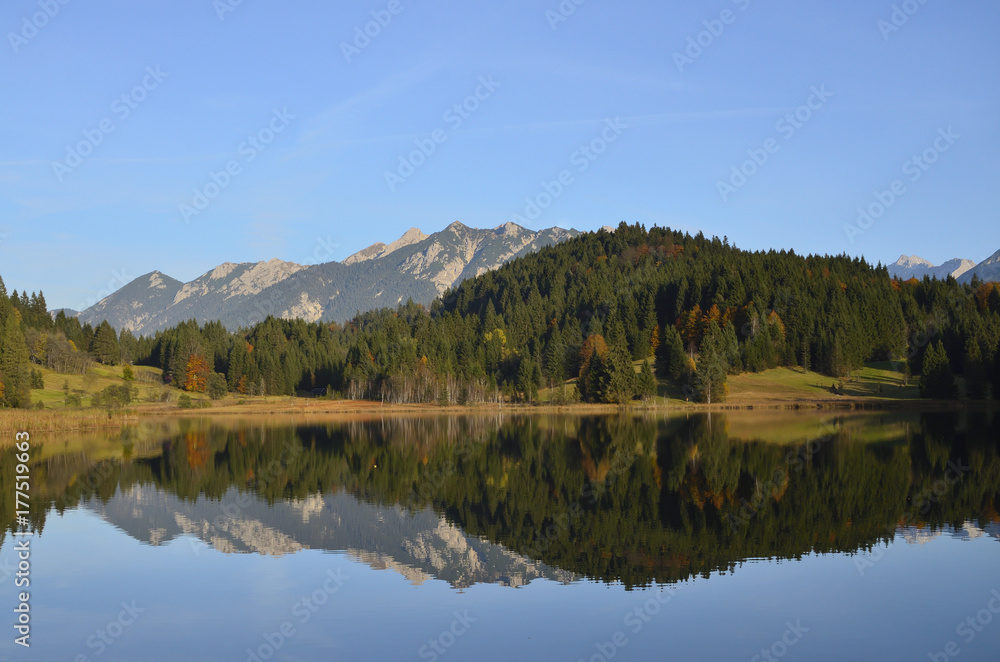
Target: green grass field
{"type": "Point", "coordinates": [877, 381]}
{"type": "Point", "coordinates": [148, 380]}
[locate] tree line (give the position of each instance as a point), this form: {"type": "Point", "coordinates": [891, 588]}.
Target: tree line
{"type": "Point", "coordinates": [687, 311]}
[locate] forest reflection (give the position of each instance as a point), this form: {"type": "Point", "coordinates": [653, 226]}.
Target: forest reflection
{"type": "Point", "coordinates": [614, 498]}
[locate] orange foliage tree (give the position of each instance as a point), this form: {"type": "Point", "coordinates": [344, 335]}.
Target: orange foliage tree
{"type": "Point", "coordinates": [197, 374]}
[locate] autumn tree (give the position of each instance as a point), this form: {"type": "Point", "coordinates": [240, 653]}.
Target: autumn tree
{"type": "Point", "coordinates": [197, 374]}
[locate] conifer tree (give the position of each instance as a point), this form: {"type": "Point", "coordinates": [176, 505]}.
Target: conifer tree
{"type": "Point", "coordinates": [711, 368]}
{"type": "Point", "coordinates": [617, 378]}
{"type": "Point", "coordinates": [976, 377]}
{"type": "Point", "coordinates": [647, 381]}
{"type": "Point", "coordinates": [555, 361]}
{"type": "Point", "coordinates": [104, 347]}
{"type": "Point", "coordinates": [15, 378]}
{"type": "Point", "coordinates": [936, 379]}
{"type": "Point", "coordinates": [671, 359]}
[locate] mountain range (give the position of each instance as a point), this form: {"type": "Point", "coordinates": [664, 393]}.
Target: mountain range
{"type": "Point", "coordinates": [416, 266]}
{"type": "Point", "coordinates": [907, 267]}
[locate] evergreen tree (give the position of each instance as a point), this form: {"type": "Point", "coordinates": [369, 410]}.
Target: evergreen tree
{"type": "Point", "coordinates": [976, 376]}
{"type": "Point", "coordinates": [15, 379]}
{"type": "Point", "coordinates": [104, 347]}
{"type": "Point", "coordinates": [555, 361]}
{"type": "Point", "coordinates": [647, 381]}
{"type": "Point", "coordinates": [526, 383]}
{"type": "Point", "coordinates": [936, 378]}
{"type": "Point", "coordinates": [591, 358]}
{"type": "Point", "coordinates": [993, 302]}
{"type": "Point", "coordinates": [128, 347]}
{"type": "Point", "coordinates": [617, 378]}
{"type": "Point", "coordinates": [712, 368]}
{"type": "Point", "coordinates": [671, 359]}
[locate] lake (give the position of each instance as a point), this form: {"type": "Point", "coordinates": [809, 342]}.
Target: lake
{"type": "Point", "coordinates": [743, 536]}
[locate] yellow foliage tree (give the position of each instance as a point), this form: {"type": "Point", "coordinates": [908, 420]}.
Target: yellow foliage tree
{"type": "Point", "coordinates": [197, 374]}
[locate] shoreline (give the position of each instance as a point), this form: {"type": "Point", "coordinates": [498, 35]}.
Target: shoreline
{"type": "Point", "coordinates": [92, 419]}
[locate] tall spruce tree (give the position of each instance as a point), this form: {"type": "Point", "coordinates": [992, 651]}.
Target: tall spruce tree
{"type": "Point", "coordinates": [15, 377]}
{"type": "Point", "coordinates": [647, 381]}
{"type": "Point", "coordinates": [712, 367]}
{"type": "Point", "coordinates": [671, 359]}
{"type": "Point", "coordinates": [104, 347]}
{"type": "Point", "coordinates": [936, 379]}
{"type": "Point", "coordinates": [974, 368]}
{"type": "Point", "coordinates": [618, 378]}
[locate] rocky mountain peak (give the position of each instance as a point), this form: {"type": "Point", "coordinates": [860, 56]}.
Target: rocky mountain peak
{"type": "Point", "coordinates": [415, 266]}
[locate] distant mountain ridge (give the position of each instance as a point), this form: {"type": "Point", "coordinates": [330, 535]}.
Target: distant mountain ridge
{"type": "Point", "coordinates": [416, 266]}
{"type": "Point", "coordinates": [987, 270]}
{"type": "Point", "coordinates": [907, 267]}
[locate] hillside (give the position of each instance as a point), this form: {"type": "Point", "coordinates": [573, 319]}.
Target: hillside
{"type": "Point", "coordinates": [698, 310]}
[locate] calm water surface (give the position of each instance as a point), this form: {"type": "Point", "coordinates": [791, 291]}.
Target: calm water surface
{"type": "Point", "coordinates": [722, 537]}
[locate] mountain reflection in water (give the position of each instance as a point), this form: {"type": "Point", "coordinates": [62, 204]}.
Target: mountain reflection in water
{"type": "Point", "coordinates": [472, 500]}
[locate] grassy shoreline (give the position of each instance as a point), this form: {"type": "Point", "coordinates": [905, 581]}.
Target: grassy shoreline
{"type": "Point", "coordinates": [877, 387]}
{"type": "Point", "coordinates": [91, 419]}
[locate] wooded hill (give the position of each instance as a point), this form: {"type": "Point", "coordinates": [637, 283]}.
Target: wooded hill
{"type": "Point", "coordinates": [697, 309]}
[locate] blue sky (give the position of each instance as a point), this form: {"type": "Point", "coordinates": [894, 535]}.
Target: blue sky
{"type": "Point", "coordinates": [201, 77]}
